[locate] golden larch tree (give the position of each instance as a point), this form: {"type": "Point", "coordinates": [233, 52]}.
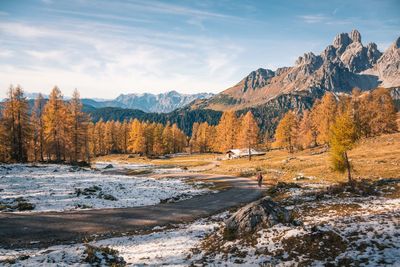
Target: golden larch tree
{"type": "Point", "coordinates": [56, 122]}
{"type": "Point", "coordinates": [342, 138]}
{"type": "Point", "coordinates": [249, 132]}
{"type": "Point", "coordinates": [286, 132]}
{"type": "Point", "coordinates": [137, 140]}
{"type": "Point", "coordinates": [227, 130]}
{"type": "Point", "coordinates": [78, 129]}
{"type": "Point", "coordinates": [15, 118]}
{"type": "Point", "coordinates": [37, 145]}
{"type": "Point", "coordinates": [323, 114]}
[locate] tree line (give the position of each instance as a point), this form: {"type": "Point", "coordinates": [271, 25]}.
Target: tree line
{"type": "Point", "coordinates": [57, 130]}
{"type": "Point", "coordinates": [231, 132]}
{"type": "Point", "coordinates": [339, 122]}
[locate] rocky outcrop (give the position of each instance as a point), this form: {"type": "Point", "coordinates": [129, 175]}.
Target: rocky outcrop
{"type": "Point", "coordinates": [257, 79]}
{"type": "Point", "coordinates": [387, 67]}
{"type": "Point", "coordinates": [255, 216]}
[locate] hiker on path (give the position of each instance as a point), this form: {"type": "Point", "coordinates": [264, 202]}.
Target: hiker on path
{"type": "Point", "coordinates": [259, 179]}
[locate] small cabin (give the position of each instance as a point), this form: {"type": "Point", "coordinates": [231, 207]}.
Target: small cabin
{"type": "Point", "coordinates": [238, 153]}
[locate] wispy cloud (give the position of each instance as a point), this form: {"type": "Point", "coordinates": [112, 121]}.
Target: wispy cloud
{"type": "Point", "coordinates": [147, 61]}
{"type": "Point", "coordinates": [323, 19]}
{"type": "Point", "coordinates": [313, 18]}
{"type": "Point", "coordinates": [99, 15]}
{"type": "Point", "coordinates": [46, 55]}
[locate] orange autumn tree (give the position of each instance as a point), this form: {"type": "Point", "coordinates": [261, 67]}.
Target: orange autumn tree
{"type": "Point", "coordinates": [249, 132]}
{"type": "Point", "coordinates": [287, 131]}
{"type": "Point", "coordinates": [16, 123]}
{"type": "Point", "coordinates": [78, 129]}
{"type": "Point", "coordinates": [342, 138]}
{"type": "Point", "coordinates": [37, 142]}
{"type": "Point", "coordinates": [323, 116]}
{"type": "Point", "coordinates": [227, 130]}
{"type": "Point", "coordinates": [136, 137]}
{"type": "Point", "coordinates": [56, 122]}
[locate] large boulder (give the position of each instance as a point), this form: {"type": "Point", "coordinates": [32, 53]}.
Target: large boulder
{"type": "Point", "coordinates": [255, 216]}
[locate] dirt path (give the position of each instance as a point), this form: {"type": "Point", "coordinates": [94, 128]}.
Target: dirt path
{"type": "Point", "coordinates": [48, 228]}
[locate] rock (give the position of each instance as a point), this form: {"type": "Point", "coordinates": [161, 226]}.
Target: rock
{"type": "Point", "coordinates": [342, 40]}
{"type": "Point", "coordinates": [109, 166]}
{"type": "Point", "coordinates": [255, 216]}
{"type": "Point", "coordinates": [388, 66]}
{"type": "Point", "coordinates": [257, 79]}
{"type": "Point", "coordinates": [355, 36]}
{"type": "Point", "coordinates": [107, 197]}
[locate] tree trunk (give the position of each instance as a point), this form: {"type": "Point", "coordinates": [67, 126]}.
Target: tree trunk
{"type": "Point", "coordinates": [348, 168]}
{"type": "Point", "coordinates": [249, 153]}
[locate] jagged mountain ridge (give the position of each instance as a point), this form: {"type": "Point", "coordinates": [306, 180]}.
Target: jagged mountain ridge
{"type": "Point", "coordinates": [343, 65]}
{"type": "Point", "coordinates": [147, 102]}
{"type": "Point", "coordinates": [164, 102]}
{"type": "Point", "coordinates": [160, 103]}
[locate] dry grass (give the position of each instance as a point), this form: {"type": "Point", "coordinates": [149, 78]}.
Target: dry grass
{"type": "Point", "coordinates": [372, 158]}
{"type": "Point", "coordinates": [195, 160]}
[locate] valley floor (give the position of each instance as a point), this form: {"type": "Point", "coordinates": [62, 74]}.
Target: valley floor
{"type": "Point", "coordinates": [339, 228]}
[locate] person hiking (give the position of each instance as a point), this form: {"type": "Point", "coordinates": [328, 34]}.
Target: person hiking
{"type": "Point", "coordinates": [259, 179]}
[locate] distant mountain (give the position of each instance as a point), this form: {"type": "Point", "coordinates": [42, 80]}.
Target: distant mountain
{"type": "Point", "coordinates": [160, 103]}
{"type": "Point", "coordinates": [342, 66]}
{"type": "Point", "coordinates": [165, 102]}
{"type": "Point", "coordinates": [34, 95]}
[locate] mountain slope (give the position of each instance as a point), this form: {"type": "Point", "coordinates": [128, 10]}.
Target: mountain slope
{"type": "Point", "coordinates": [339, 68]}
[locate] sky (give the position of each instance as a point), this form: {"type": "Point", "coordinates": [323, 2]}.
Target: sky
{"type": "Point", "coordinates": [105, 48]}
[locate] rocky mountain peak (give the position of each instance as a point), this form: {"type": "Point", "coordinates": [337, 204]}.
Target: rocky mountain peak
{"type": "Point", "coordinates": [355, 36]}
{"type": "Point", "coordinates": [307, 58]}
{"type": "Point", "coordinates": [373, 53]}
{"type": "Point", "coordinates": [396, 44]}
{"type": "Point", "coordinates": [257, 79]}
{"type": "Point", "coordinates": [342, 40]}
{"type": "Point", "coordinates": [329, 53]}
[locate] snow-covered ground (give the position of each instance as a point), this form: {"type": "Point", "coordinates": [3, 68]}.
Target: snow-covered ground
{"type": "Point", "coordinates": [354, 231]}
{"type": "Point", "coordinates": [61, 187]}
{"type": "Point", "coordinates": [162, 247]}
{"type": "Point", "coordinates": [337, 231]}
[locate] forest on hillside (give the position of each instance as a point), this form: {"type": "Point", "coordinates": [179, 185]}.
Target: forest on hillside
{"type": "Point", "coordinates": [57, 130]}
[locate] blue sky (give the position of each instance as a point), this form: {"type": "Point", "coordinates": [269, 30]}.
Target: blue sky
{"type": "Point", "coordinates": [105, 48]}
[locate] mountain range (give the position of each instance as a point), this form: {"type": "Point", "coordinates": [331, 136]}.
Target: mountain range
{"type": "Point", "coordinates": [268, 94]}
{"type": "Point", "coordinates": [340, 67]}
{"type": "Point", "coordinates": [158, 103]}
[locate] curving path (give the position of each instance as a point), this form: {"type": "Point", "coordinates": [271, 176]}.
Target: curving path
{"type": "Point", "coordinates": [48, 228]}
